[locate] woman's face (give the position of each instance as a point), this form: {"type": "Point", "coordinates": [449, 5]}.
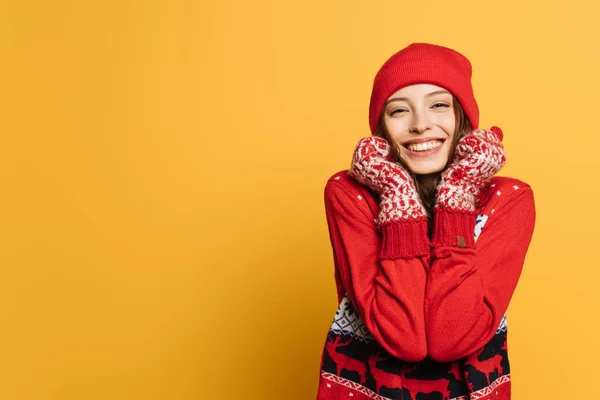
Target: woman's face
{"type": "Point", "coordinates": [421, 119]}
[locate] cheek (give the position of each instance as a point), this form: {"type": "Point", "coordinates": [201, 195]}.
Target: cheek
{"type": "Point", "coordinates": [397, 128]}
{"type": "Point", "coordinates": [447, 122]}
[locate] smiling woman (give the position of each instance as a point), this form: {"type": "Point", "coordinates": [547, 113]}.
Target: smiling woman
{"type": "Point", "coordinates": [428, 242]}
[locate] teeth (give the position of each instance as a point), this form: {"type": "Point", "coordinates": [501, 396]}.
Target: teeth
{"type": "Point", "coordinates": [425, 146]}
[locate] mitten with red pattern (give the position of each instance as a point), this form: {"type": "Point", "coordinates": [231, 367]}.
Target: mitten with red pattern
{"type": "Point", "coordinates": [402, 217]}
{"type": "Point", "coordinates": [479, 155]}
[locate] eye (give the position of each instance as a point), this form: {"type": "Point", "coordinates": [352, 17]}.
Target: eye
{"type": "Point", "coordinates": [400, 110]}
{"type": "Point", "coordinates": [440, 104]}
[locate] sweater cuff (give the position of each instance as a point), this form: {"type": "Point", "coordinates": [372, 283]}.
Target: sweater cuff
{"type": "Point", "coordinates": [453, 228]}
{"type": "Point", "coordinates": [405, 239]}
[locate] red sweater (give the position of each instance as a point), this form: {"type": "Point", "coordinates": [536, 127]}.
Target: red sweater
{"type": "Point", "coordinates": [423, 324]}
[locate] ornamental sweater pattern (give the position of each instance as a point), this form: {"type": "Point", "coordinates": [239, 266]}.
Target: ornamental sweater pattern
{"type": "Point", "coordinates": [423, 327]}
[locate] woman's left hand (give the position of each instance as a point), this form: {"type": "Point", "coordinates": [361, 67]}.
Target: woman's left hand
{"type": "Point", "coordinates": [479, 156]}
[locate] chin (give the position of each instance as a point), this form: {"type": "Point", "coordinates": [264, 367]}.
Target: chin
{"type": "Point", "coordinates": [426, 168]}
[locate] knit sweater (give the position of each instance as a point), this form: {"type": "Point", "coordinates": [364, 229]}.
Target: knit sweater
{"type": "Point", "coordinates": [423, 327]}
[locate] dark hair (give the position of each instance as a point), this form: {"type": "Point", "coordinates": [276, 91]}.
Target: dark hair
{"type": "Point", "coordinates": [426, 184]}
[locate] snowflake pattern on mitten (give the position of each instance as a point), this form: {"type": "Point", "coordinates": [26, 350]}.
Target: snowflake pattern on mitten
{"type": "Point", "coordinates": [479, 155]}
{"type": "Point", "coordinates": [371, 166]}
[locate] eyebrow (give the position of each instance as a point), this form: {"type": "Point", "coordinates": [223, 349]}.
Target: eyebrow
{"type": "Point", "coordinates": [406, 99]}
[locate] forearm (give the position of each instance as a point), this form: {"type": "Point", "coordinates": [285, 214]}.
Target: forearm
{"type": "Point", "coordinates": [384, 274]}
{"type": "Point", "coordinates": [469, 285]}
{"type": "Point", "coordinates": [455, 313]}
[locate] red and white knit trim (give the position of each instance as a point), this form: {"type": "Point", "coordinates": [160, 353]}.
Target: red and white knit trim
{"type": "Point", "coordinates": [490, 390]}
{"type": "Point", "coordinates": [352, 385]}
{"type": "Point", "coordinates": [487, 393]}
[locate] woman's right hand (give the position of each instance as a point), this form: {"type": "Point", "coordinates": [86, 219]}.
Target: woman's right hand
{"type": "Point", "coordinates": [371, 166]}
{"type": "Point", "coordinates": [479, 156]}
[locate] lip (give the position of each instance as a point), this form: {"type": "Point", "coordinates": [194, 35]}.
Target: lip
{"type": "Point", "coordinates": [422, 140]}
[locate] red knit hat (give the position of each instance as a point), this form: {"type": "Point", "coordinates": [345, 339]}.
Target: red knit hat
{"type": "Point", "coordinates": [424, 63]}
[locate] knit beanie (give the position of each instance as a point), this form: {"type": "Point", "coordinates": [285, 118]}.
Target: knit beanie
{"type": "Point", "coordinates": [424, 63]}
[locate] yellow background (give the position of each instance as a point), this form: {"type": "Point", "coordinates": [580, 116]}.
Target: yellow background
{"type": "Point", "coordinates": [162, 168]}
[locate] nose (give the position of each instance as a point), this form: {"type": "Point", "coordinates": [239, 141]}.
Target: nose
{"type": "Point", "coordinates": [420, 122]}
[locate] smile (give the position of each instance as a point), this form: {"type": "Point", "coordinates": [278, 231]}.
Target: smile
{"type": "Point", "coordinates": [424, 147]}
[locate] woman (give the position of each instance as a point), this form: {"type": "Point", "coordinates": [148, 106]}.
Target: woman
{"type": "Point", "coordinates": [428, 242]}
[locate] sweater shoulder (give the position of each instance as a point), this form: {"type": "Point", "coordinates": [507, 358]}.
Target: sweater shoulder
{"type": "Point", "coordinates": [342, 186]}
{"type": "Point", "coordinates": [505, 182]}
{"type": "Point", "coordinates": [503, 190]}
{"type": "Point", "coordinates": [342, 181]}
